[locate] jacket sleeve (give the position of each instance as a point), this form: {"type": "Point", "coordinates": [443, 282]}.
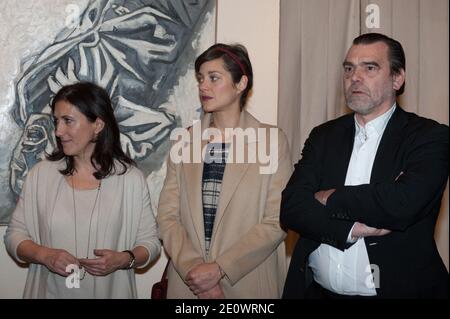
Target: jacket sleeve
{"type": "Point", "coordinates": [300, 211]}
{"type": "Point", "coordinates": [263, 238]}
{"type": "Point", "coordinates": [175, 239]}
{"type": "Point", "coordinates": [401, 202]}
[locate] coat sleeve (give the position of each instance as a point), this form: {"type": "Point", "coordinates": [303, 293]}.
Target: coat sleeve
{"type": "Point", "coordinates": [175, 239]}
{"type": "Point", "coordinates": [300, 211]}
{"type": "Point", "coordinates": [263, 238]}
{"type": "Point", "coordinates": [399, 203]}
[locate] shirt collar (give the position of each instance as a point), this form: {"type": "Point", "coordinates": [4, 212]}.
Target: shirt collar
{"type": "Point", "coordinates": [377, 125]}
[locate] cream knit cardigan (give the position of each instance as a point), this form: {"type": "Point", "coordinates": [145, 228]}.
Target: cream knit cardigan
{"type": "Point", "coordinates": [125, 221]}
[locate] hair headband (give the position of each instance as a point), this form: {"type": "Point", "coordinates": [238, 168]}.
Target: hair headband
{"type": "Point", "coordinates": [233, 57]}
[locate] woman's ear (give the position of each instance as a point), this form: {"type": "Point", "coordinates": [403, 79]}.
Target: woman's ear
{"type": "Point", "coordinates": [242, 84]}
{"type": "Point", "coordinates": [99, 125]}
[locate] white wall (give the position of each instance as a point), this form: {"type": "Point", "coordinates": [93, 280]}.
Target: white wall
{"type": "Point", "coordinates": [12, 277]}
{"type": "Point", "coordinates": [254, 23]}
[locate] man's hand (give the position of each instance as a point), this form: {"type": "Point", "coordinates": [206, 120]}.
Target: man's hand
{"type": "Point", "coordinates": [362, 230]}
{"type": "Point", "coordinates": [203, 277]}
{"type": "Point", "coordinates": [214, 293]}
{"type": "Point", "coordinates": [322, 196]}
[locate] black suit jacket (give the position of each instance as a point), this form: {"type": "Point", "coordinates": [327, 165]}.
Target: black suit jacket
{"type": "Point", "coordinates": [408, 179]}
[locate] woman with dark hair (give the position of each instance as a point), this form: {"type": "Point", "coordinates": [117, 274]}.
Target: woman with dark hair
{"type": "Point", "coordinates": [219, 216]}
{"type": "Point", "coordinates": [83, 220]}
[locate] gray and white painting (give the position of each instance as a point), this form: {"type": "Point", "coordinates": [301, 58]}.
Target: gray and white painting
{"type": "Point", "coordinates": [140, 51]}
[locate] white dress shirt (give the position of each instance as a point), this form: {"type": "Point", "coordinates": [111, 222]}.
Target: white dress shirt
{"type": "Point", "coordinates": [349, 272]}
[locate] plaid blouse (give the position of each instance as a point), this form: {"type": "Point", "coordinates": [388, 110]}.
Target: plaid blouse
{"type": "Point", "coordinates": [213, 169]}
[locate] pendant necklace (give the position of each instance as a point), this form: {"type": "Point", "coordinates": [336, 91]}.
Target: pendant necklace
{"type": "Point", "coordinates": [90, 222]}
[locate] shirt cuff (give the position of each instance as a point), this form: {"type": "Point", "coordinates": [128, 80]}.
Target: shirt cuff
{"type": "Point", "coordinates": [350, 239]}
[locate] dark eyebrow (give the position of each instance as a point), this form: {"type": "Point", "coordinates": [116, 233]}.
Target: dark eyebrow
{"type": "Point", "coordinates": [211, 72]}
{"type": "Point", "coordinates": [198, 74]}
{"type": "Point", "coordinates": [346, 63]}
{"type": "Point", "coordinates": [371, 63]}
{"type": "Point", "coordinates": [66, 117]}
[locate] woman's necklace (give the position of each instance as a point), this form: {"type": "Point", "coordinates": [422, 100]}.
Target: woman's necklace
{"type": "Point", "coordinates": [90, 222]}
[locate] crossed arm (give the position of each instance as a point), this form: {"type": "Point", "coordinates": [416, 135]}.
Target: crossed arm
{"type": "Point", "coordinates": [358, 230]}
{"type": "Point", "coordinates": [328, 215]}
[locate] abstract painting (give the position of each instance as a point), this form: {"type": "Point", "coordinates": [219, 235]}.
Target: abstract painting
{"type": "Point", "coordinates": [141, 51]}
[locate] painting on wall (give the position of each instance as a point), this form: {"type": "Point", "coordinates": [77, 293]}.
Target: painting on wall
{"type": "Point", "coordinates": [141, 51]}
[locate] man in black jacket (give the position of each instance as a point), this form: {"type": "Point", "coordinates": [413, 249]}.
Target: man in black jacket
{"type": "Point", "coordinates": [366, 194]}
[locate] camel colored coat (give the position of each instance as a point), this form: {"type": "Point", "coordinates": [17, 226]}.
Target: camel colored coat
{"type": "Point", "coordinates": [247, 241]}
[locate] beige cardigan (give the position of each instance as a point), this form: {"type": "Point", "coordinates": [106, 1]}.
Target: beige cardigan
{"type": "Point", "coordinates": [247, 241]}
{"type": "Point", "coordinates": [125, 221]}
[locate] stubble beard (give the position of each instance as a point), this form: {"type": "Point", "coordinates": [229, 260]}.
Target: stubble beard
{"type": "Point", "coordinates": [360, 105]}
{"type": "Point", "coordinates": [365, 105]}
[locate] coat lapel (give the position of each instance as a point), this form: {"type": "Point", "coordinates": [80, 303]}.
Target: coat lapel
{"type": "Point", "coordinates": [231, 178]}
{"type": "Point", "coordinates": [342, 152]}
{"type": "Point", "coordinates": [389, 144]}
{"type": "Point", "coordinates": [193, 172]}
{"type": "Point", "coordinates": [234, 172]}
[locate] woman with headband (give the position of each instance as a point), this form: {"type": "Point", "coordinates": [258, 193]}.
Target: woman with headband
{"type": "Point", "coordinates": [219, 207]}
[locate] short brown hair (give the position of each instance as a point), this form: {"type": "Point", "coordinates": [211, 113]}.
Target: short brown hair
{"type": "Point", "coordinates": [236, 60]}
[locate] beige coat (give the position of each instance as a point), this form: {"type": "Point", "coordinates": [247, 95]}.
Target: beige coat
{"type": "Point", "coordinates": [125, 221]}
{"type": "Point", "coordinates": [247, 241]}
